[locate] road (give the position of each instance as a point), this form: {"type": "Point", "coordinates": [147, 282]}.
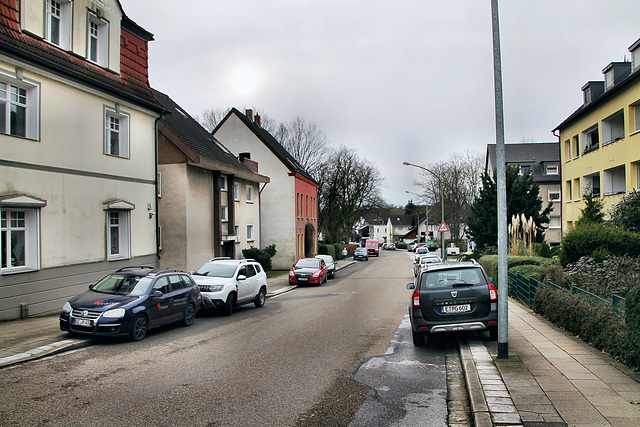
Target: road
{"type": "Point", "coordinates": [288, 363]}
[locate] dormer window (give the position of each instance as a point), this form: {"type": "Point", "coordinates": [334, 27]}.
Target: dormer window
{"type": "Point", "coordinates": [98, 40]}
{"type": "Point", "coordinates": [525, 169]}
{"type": "Point", "coordinates": [635, 54]}
{"type": "Point", "coordinates": [58, 23]}
{"type": "Point", "coordinates": [552, 169]}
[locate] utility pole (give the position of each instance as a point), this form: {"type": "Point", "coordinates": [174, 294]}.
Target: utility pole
{"type": "Point", "coordinates": [503, 286]}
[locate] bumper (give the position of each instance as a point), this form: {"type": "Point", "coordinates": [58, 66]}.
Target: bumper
{"type": "Point", "coordinates": [422, 326]}
{"type": "Point", "coordinates": [212, 302]}
{"type": "Point", "coordinates": [114, 327]}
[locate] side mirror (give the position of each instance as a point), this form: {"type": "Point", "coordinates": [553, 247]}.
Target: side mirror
{"type": "Point", "coordinates": [242, 277]}
{"type": "Point", "coordinates": [411, 286]}
{"type": "Point", "coordinates": [156, 294]}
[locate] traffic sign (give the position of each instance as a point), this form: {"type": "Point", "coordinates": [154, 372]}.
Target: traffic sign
{"type": "Point", "coordinates": [443, 228]}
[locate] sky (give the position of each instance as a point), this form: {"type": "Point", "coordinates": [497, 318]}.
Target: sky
{"type": "Point", "coordinates": [396, 80]}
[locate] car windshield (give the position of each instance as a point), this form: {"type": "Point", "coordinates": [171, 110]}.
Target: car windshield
{"type": "Point", "coordinates": [120, 284]}
{"type": "Point", "coordinates": [216, 269]}
{"type": "Point", "coordinates": [448, 278]}
{"type": "Point", "coordinates": [307, 263]}
{"type": "Point", "coordinates": [327, 258]}
{"type": "Point", "coordinates": [372, 244]}
{"type": "Point", "coordinates": [360, 250]}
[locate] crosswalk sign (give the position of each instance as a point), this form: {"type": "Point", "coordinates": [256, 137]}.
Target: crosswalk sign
{"type": "Point", "coordinates": [443, 228]}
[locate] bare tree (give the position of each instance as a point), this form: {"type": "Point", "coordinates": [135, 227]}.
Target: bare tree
{"type": "Point", "coordinates": [306, 142]}
{"type": "Point", "coordinates": [461, 179]}
{"type": "Point", "coordinates": [347, 188]}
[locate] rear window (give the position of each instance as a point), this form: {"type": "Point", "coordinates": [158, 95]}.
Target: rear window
{"type": "Point", "coordinates": [443, 279]}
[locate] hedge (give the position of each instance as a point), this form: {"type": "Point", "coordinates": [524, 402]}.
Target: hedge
{"type": "Point", "coordinates": [528, 266]}
{"type": "Point", "coordinates": [586, 239]}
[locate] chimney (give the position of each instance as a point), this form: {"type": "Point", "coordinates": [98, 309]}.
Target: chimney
{"type": "Point", "coordinates": [258, 119]}
{"type": "Point", "coordinates": [249, 113]}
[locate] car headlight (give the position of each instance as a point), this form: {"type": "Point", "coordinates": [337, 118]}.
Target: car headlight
{"type": "Point", "coordinates": [66, 307]}
{"type": "Point", "coordinates": [116, 313]}
{"type": "Point", "coordinates": [211, 288]}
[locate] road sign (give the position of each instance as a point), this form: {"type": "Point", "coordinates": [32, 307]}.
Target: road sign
{"type": "Point", "coordinates": [443, 228]}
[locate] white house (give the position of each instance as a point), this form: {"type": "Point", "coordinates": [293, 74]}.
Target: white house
{"type": "Point", "coordinates": [77, 150]}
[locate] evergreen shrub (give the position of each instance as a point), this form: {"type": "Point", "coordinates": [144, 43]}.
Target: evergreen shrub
{"type": "Point", "coordinates": [262, 256]}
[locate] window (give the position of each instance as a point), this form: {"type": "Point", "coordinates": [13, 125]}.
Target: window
{"type": "Point", "coordinates": [614, 181]}
{"type": "Point", "coordinates": [613, 128]}
{"type": "Point", "coordinates": [554, 195]}
{"type": "Point", "coordinates": [591, 184]}
{"type": "Point", "coordinates": [224, 213]}
{"type": "Point", "coordinates": [567, 150]}
{"type": "Point", "coordinates": [250, 236]}
{"type": "Point", "coordinates": [554, 222]}
{"type": "Point", "coordinates": [116, 133]}
{"type": "Point", "coordinates": [249, 194]}
{"type": "Point", "coordinates": [590, 140]}
{"type": "Point", "coordinates": [567, 191]}
{"type": "Point", "coordinates": [223, 183]}
{"type": "Point", "coordinates": [118, 241]}
{"type": "Point", "coordinates": [98, 40]}
{"type": "Point", "coordinates": [19, 246]}
{"type": "Point", "coordinates": [236, 191]}
{"type": "Point", "coordinates": [58, 23]}
{"type": "Point", "coordinates": [19, 108]}
{"type": "Point", "coordinates": [576, 190]}
{"type": "Point", "coordinates": [575, 143]}
{"type": "Point", "coordinates": [552, 169]}
{"type": "Point", "coordinates": [636, 117]}
{"type": "Point", "coordinates": [524, 169]}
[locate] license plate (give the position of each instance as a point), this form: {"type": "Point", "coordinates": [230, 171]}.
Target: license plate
{"type": "Point", "coordinates": [456, 308]}
{"type": "Point", "coordinates": [83, 322]}
{"type": "Point", "coordinates": [304, 279]}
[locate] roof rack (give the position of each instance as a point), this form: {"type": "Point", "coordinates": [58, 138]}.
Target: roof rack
{"type": "Point", "coordinates": [134, 267]}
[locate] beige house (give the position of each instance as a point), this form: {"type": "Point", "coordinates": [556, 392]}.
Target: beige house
{"type": "Point", "coordinates": [77, 150]}
{"type": "Point", "coordinates": [209, 202]}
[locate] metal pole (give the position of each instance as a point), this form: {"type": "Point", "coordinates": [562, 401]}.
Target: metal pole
{"type": "Point", "coordinates": [503, 286]}
{"type": "Point", "coordinates": [444, 252]}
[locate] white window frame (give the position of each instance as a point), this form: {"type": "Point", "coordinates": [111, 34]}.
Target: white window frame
{"type": "Point", "coordinates": [223, 183]}
{"type": "Point", "coordinates": [551, 193]}
{"type": "Point", "coordinates": [249, 193]}
{"type": "Point", "coordinates": [250, 234]}
{"type": "Point", "coordinates": [26, 221]}
{"type": "Point", "coordinates": [118, 221]}
{"type": "Point", "coordinates": [19, 94]}
{"type": "Point", "coordinates": [111, 117]}
{"type": "Point", "coordinates": [613, 128]}
{"type": "Point", "coordinates": [224, 213]}
{"type": "Point", "coordinates": [59, 11]}
{"type": "Point", "coordinates": [555, 222]}
{"type": "Point", "coordinates": [98, 31]}
{"type": "Point", "coordinates": [636, 116]}
{"type": "Point", "coordinates": [552, 169]}
{"type": "Point", "coordinates": [236, 191]}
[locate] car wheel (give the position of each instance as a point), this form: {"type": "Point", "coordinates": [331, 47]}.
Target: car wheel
{"type": "Point", "coordinates": [139, 328]}
{"type": "Point", "coordinates": [189, 315]}
{"type": "Point", "coordinates": [227, 310]}
{"type": "Point", "coordinates": [418, 339]}
{"type": "Point", "coordinates": [261, 298]}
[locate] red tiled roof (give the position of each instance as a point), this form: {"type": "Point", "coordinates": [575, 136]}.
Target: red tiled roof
{"type": "Point", "coordinates": [132, 82]}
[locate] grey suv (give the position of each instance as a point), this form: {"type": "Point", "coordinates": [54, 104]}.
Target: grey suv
{"type": "Point", "coordinates": [451, 297]}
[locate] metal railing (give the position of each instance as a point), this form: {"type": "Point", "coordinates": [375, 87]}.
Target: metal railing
{"type": "Point", "coordinates": [524, 290]}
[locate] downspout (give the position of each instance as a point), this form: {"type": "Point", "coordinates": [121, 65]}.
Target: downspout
{"type": "Point", "coordinates": [260, 212]}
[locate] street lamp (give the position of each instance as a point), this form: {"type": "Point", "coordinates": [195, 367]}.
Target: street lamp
{"type": "Point", "coordinates": [426, 211]}
{"type": "Point", "coordinates": [444, 252]}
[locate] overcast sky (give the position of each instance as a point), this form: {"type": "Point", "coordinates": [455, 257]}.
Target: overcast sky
{"type": "Point", "coordinates": [398, 80]}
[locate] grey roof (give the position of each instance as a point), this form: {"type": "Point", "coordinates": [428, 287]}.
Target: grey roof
{"type": "Point", "coordinates": [280, 152]}
{"type": "Point", "coordinates": [404, 219]}
{"type": "Point", "coordinates": [536, 154]}
{"type": "Point", "coordinates": [196, 137]}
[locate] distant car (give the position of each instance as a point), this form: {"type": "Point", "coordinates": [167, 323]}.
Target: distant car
{"type": "Point", "coordinates": [226, 283]}
{"type": "Point", "coordinates": [391, 247]}
{"type": "Point", "coordinates": [420, 250]}
{"type": "Point", "coordinates": [308, 270]}
{"type": "Point", "coordinates": [423, 261]}
{"type": "Point", "coordinates": [361, 253]}
{"type": "Point", "coordinates": [373, 247]}
{"type": "Point", "coordinates": [331, 265]}
{"type": "Point", "coordinates": [131, 301]}
{"type": "Point", "coordinates": [451, 297]}
{"type": "Point", "coordinates": [432, 247]}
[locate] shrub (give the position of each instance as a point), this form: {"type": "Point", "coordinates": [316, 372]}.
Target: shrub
{"type": "Point", "coordinates": [263, 256]}
{"type": "Point", "coordinates": [516, 263]}
{"type": "Point", "coordinates": [614, 274]}
{"type": "Point", "coordinates": [536, 271]}
{"type": "Point", "coordinates": [543, 250]}
{"type": "Point", "coordinates": [584, 240]}
{"type": "Point", "coordinates": [337, 248]}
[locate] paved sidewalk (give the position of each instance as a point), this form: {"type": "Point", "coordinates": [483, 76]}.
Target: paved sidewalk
{"type": "Point", "coordinates": [550, 378]}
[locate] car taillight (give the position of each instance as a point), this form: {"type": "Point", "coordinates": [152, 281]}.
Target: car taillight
{"type": "Point", "coordinates": [415, 299]}
{"type": "Point", "coordinates": [492, 293]}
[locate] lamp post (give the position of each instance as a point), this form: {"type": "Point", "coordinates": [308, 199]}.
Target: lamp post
{"type": "Point", "coordinates": [444, 252]}
{"type": "Point", "coordinates": [426, 211]}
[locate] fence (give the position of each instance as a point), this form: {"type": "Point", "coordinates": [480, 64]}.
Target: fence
{"type": "Point", "coordinates": [524, 290]}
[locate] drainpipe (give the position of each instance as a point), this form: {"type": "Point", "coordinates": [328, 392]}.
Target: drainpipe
{"type": "Point", "coordinates": [260, 212]}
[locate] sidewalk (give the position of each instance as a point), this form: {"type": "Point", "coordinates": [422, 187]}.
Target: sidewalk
{"type": "Point", "coordinates": [26, 339]}
{"type": "Point", "coordinates": [551, 378]}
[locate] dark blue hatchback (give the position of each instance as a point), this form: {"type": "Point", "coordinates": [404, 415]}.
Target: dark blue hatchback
{"type": "Point", "coordinates": [131, 301]}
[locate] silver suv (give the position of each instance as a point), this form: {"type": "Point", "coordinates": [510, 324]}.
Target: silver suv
{"type": "Point", "coordinates": [225, 283]}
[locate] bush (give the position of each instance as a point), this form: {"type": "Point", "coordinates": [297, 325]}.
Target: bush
{"type": "Point", "coordinates": [539, 265]}
{"type": "Point", "coordinates": [586, 239]}
{"type": "Point", "coordinates": [536, 271]}
{"type": "Point", "coordinates": [543, 250]}
{"type": "Point", "coordinates": [263, 256]}
{"type": "Point", "coordinates": [614, 274]}
{"type": "Point", "coordinates": [338, 247]}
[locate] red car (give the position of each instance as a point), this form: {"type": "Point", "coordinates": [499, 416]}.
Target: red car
{"type": "Point", "coordinates": [308, 270]}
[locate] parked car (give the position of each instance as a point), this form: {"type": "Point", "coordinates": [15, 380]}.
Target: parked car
{"type": "Point", "coordinates": [424, 261]}
{"type": "Point", "coordinates": [419, 251]}
{"type": "Point", "coordinates": [373, 247]}
{"type": "Point", "coordinates": [391, 246]}
{"type": "Point", "coordinates": [131, 301]}
{"type": "Point", "coordinates": [361, 253]}
{"type": "Point", "coordinates": [308, 270]}
{"type": "Point", "coordinates": [432, 247]}
{"type": "Point", "coordinates": [451, 297]}
{"type": "Point", "coordinates": [331, 265]}
{"type": "Point", "coordinates": [226, 283]}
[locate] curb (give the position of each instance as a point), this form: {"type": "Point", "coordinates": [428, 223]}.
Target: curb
{"type": "Point", "coordinates": [44, 351]}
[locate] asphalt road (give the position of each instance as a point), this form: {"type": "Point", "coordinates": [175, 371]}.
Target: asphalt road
{"type": "Point", "coordinates": [288, 363]}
